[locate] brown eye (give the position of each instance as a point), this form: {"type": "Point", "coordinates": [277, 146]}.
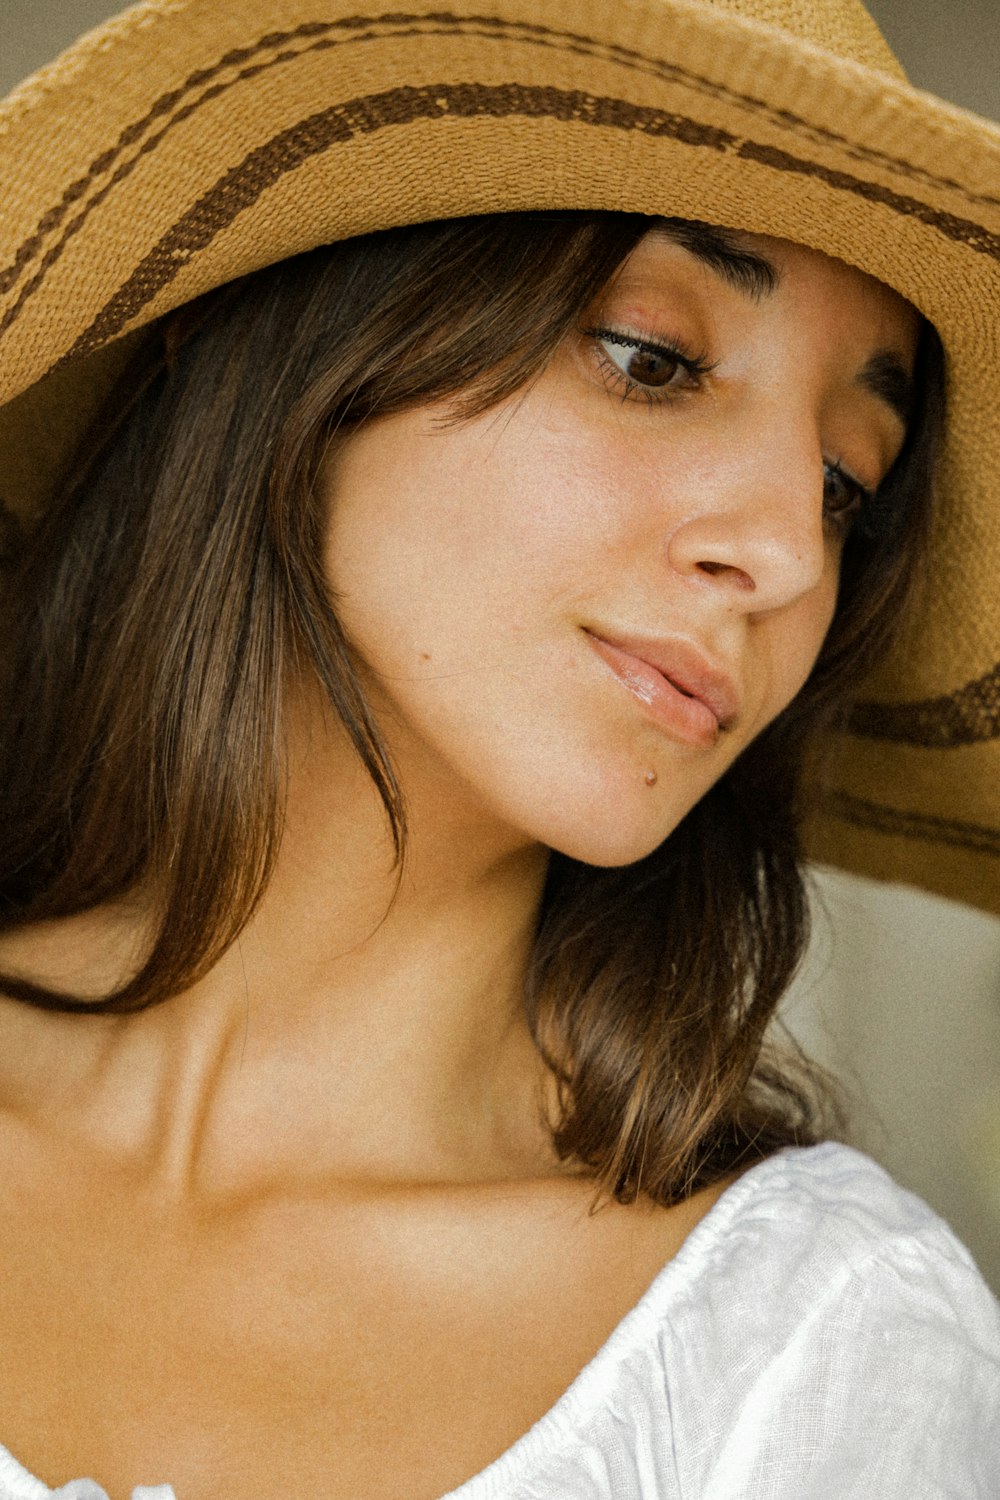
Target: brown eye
{"type": "Point", "coordinates": [843, 496]}
{"type": "Point", "coordinates": [646, 368]}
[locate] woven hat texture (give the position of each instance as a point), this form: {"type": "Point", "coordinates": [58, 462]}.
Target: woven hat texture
{"type": "Point", "coordinates": [187, 142]}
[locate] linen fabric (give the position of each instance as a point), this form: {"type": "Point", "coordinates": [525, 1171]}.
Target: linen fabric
{"type": "Point", "coordinates": [820, 1334]}
{"type": "Point", "coordinates": [185, 143]}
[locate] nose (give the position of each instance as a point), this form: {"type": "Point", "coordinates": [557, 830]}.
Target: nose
{"type": "Point", "coordinates": [754, 524]}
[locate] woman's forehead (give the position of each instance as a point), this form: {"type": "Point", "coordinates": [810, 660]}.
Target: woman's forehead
{"type": "Point", "coordinates": [759, 266]}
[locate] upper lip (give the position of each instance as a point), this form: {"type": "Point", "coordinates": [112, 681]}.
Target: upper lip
{"type": "Point", "coordinates": [685, 665]}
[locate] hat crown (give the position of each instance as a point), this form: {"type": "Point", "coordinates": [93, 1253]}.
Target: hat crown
{"type": "Point", "coordinates": [842, 27]}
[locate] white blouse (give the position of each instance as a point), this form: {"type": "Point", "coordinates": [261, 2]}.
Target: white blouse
{"type": "Point", "coordinates": [821, 1335]}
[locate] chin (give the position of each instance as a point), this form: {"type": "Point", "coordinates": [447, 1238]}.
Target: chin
{"type": "Point", "coordinates": [610, 857]}
{"type": "Point", "coordinates": [611, 842]}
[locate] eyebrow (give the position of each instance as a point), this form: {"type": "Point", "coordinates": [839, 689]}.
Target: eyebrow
{"type": "Point", "coordinates": [747, 271]}
{"type": "Point", "coordinates": [751, 273]}
{"type": "Point", "coordinates": [883, 376]}
{"type": "Point", "coordinates": [886, 377]}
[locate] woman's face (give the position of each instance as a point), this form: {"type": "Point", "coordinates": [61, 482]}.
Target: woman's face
{"type": "Point", "coordinates": [573, 611]}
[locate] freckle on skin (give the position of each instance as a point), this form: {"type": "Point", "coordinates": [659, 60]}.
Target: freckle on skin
{"type": "Point", "coordinates": [425, 656]}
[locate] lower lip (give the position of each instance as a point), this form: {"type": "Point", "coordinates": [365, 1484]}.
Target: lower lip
{"type": "Point", "coordinates": [683, 718]}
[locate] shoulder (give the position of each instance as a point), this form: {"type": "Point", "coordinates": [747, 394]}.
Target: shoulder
{"type": "Point", "coordinates": [833, 1200]}
{"type": "Point", "coordinates": [813, 1225]}
{"type": "Point", "coordinates": [840, 1331]}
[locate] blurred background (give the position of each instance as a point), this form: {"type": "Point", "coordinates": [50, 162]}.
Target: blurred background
{"type": "Point", "coordinates": [900, 994]}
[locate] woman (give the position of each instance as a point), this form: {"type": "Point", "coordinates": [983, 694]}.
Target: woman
{"type": "Point", "coordinates": [423, 594]}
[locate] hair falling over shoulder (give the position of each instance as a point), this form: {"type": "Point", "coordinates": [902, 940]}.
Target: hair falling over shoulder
{"type": "Point", "coordinates": [153, 622]}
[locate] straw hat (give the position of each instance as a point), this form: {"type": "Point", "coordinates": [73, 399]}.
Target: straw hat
{"type": "Point", "coordinates": [188, 141]}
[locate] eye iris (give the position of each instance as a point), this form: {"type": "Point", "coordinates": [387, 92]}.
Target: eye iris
{"type": "Point", "coordinates": [841, 492]}
{"type": "Point", "coordinates": [647, 368]}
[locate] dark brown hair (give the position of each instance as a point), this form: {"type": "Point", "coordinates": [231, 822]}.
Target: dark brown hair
{"type": "Point", "coordinates": [155, 619]}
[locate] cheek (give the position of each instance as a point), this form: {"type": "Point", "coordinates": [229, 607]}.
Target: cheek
{"type": "Point", "coordinates": [798, 639]}
{"type": "Point", "coordinates": [451, 537]}
{"type": "Point", "coordinates": [401, 541]}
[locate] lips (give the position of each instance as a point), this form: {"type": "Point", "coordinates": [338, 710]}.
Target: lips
{"type": "Point", "coordinates": [680, 685]}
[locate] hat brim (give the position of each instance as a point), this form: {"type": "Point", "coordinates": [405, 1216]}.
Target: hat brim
{"type": "Point", "coordinates": [186, 143]}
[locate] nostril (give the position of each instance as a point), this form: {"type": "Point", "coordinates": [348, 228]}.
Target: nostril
{"type": "Point", "coordinates": [739, 577]}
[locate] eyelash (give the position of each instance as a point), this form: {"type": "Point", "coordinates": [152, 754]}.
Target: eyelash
{"type": "Point", "coordinates": [697, 366]}
{"type": "Point", "coordinates": [843, 518]}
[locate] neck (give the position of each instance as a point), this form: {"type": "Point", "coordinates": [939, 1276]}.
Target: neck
{"type": "Point", "coordinates": [367, 1023]}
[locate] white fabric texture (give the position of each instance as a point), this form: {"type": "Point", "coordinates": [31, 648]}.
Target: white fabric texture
{"type": "Point", "coordinates": [821, 1335]}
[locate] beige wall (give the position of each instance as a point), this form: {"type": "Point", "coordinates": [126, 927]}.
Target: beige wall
{"type": "Point", "coordinates": [951, 47]}
{"type": "Point", "coordinates": [901, 993]}
{"type": "Point", "coordinates": [900, 997]}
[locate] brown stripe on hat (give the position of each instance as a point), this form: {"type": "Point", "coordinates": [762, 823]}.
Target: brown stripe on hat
{"type": "Point", "coordinates": [974, 837]}
{"type": "Point", "coordinates": [163, 107]}
{"type": "Point", "coordinates": [175, 106]}
{"type": "Point", "coordinates": [970, 716]}
{"type": "Point", "coordinates": [171, 108]}
{"type": "Point", "coordinates": [965, 231]}
{"type": "Point", "coordinates": [241, 186]}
